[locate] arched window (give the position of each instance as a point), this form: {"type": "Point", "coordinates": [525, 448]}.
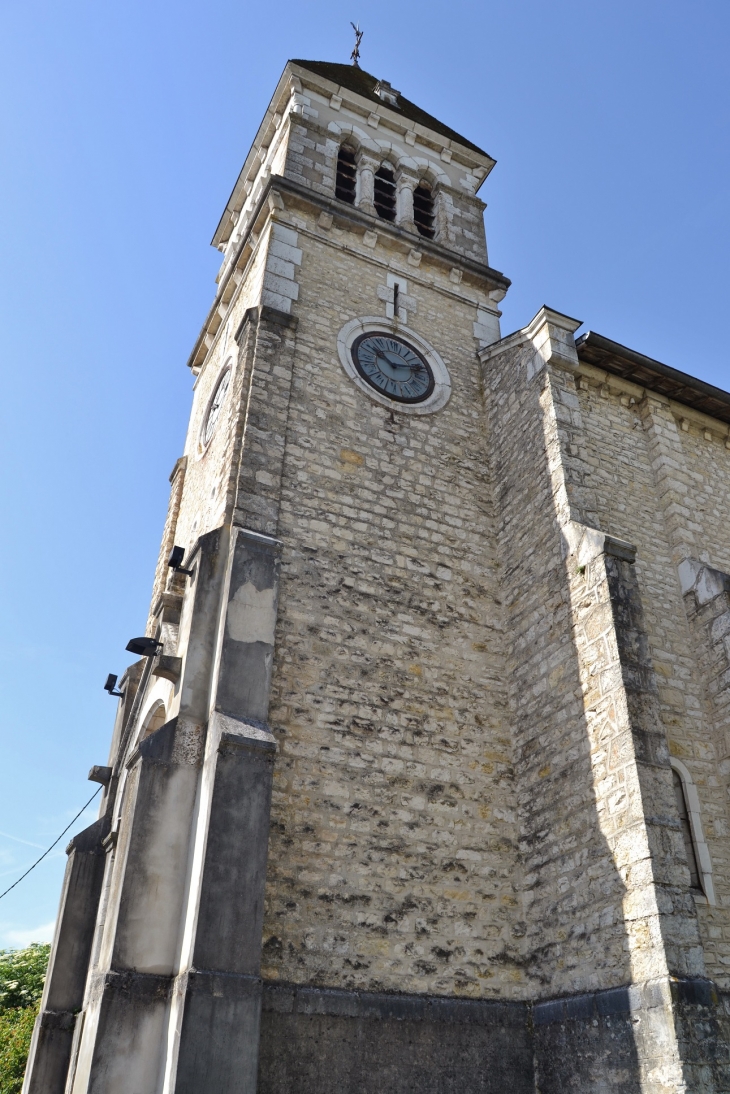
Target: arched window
{"type": "Point", "coordinates": [385, 192]}
{"type": "Point", "coordinates": [423, 209]}
{"type": "Point", "coordinates": [346, 171]}
{"type": "Point", "coordinates": [156, 718]}
{"type": "Point", "coordinates": [689, 843]}
{"type": "Point", "coordinates": [690, 817]}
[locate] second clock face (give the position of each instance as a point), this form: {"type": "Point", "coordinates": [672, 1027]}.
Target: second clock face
{"type": "Point", "coordinates": [215, 405]}
{"type": "Point", "coordinates": [392, 367]}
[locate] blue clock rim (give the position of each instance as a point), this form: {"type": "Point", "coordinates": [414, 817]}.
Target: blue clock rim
{"type": "Point", "coordinates": [386, 394]}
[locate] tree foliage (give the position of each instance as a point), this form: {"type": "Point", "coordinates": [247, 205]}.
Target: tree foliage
{"type": "Point", "coordinates": [16, 1030]}
{"type": "Point", "coordinates": [22, 973]}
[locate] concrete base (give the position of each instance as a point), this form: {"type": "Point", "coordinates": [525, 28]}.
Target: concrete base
{"type": "Point", "coordinates": [220, 1034]}
{"type": "Point", "coordinates": [129, 1011]}
{"type": "Point", "coordinates": [51, 1051]}
{"type": "Point", "coordinates": [342, 1042]}
{"type": "Point", "coordinates": [623, 1040]}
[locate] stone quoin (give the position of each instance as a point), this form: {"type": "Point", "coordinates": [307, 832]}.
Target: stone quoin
{"type": "Point", "coordinates": [426, 787]}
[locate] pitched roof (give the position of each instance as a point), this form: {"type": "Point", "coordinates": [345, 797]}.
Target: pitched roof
{"type": "Point", "coordinates": [621, 361]}
{"type": "Point", "coordinates": [362, 83]}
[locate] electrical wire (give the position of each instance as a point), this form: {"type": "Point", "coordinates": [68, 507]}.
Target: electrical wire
{"type": "Point", "coordinates": [52, 845]}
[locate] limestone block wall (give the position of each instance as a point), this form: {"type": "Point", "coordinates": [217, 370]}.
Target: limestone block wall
{"type": "Point", "coordinates": [707, 461]}
{"type": "Point", "coordinates": [606, 884]}
{"type": "Point", "coordinates": [573, 892]}
{"type": "Point", "coordinates": [629, 507]}
{"type": "Point", "coordinates": [311, 155]}
{"type": "Point", "coordinates": [629, 499]}
{"type": "Point", "coordinates": [393, 858]}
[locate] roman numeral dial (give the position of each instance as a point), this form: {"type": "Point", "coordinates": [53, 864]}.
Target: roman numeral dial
{"type": "Point", "coordinates": [392, 367]}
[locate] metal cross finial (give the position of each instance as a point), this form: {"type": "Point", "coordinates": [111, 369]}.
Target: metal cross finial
{"type": "Point", "coordinates": [355, 55]}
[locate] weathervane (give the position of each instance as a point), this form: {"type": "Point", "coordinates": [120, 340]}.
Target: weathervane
{"type": "Point", "coordinates": [355, 55]}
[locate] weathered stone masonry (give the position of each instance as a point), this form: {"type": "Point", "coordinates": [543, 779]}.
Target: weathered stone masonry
{"type": "Point", "coordinates": [392, 806]}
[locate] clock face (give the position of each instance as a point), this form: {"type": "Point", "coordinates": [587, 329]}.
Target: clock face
{"type": "Point", "coordinates": [392, 367]}
{"type": "Point", "coordinates": [215, 406]}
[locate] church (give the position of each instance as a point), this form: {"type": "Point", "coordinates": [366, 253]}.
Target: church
{"type": "Point", "coordinates": [419, 778]}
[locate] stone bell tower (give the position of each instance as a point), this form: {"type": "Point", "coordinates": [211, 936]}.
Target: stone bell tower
{"type": "Point", "coordinates": [395, 800]}
{"type": "Point", "coordinates": [328, 631]}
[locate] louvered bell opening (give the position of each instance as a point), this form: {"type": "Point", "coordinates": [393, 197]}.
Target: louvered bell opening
{"type": "Point", "coordinates": [385, 193]}
{"type": "Point", "coordinates": [423, 210]}
{"type": "Point", "coordinates": [346, 172]}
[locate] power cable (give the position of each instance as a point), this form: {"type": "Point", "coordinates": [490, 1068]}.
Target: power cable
{"type": "Point", "coordinates": [52, 845]}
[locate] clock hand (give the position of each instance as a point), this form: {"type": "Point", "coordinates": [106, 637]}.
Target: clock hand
{"type": "Point", "coordinates": [382, 360]}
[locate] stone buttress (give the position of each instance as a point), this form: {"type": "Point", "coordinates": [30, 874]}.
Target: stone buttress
{"type": "Point", "coordinates": [611, 920]}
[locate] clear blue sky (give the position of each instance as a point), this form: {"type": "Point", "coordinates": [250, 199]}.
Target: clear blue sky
{"type": "Point", "coordinates": [124, 126]}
